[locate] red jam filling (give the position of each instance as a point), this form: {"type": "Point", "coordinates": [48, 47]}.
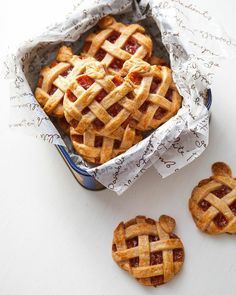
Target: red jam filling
{"type": "Point", "coordinates": [169, 94]}
{"type": "Point", "coordinates": [114, 109]}
{"type": "Point", "coordinates": [204, 205]}
{"type": "Point", "coordinates": [155, 84]}
{"type": "Point", "coordinates": [113, 37]}
{"type": "Point", "coordinates": [156, 258]}
{"type": "Point", "coordinates": [77, 138]}
{"type": "Point", "coordinates": [71, 95]}
{"type": "Point", "coordinates": [134, 262]}
{"type": "Point", "coordinates": [153, 238]}
{"type": "Point", "coordinates": [131, 46]}
{"type": "Point", "coordinates": [136, 78]}
{"type": "Point", "coordinates": [116, 144]}
{"type": "Point", "coordinates": [52, 90]}
{"type": "Point", "coordinates": [130, 95]}
{"type": "Point", "coordinates": [126, 122]}
{"type": "Point", "coordinates": [101, 95]}
{"type": "Point", "coordinates": [117, 80]}
{"type": "Point", "coordinates": [98, 141]}
{"type": "Point", "coordinates": [98, 124]}
{"type": "Point", "coordinates": [67, 72]}
{"type": "Point", "coordinates": [178, 255]}
{"type": "Point", "coordinates": [222, 191]}
{"type": "Point", "coordinates": [117, 64]}
{"type": "Point", "coordinates": [85, 81]}
{"type": "Point", "coordinates": [157, 280]}
{"type": "Point", "coordinates": [220, 220]}
{"type": "Point", "coordinates": [160, 113]}
{"type": "Point", "coordinates": [100, 54]}
{"type": "Point", "coordinates": [131, 243]}
{"type": "Point", "coordinates": [233, 207]}
{"type": "Point", "coordinates": [144, 107]}
{"type": "Point", "coordinates": [85, 111]}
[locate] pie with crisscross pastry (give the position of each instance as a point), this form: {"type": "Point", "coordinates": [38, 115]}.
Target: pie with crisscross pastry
{"type": "Point", "coordinates": [213, 202]}
{"type": "Point", "coordinates": [160, 99]}
{"type": "Point", "coordinates": [148, 249]}
{"type": "Point", "coordinates": [54, 80]}
{"type": "Point", "coordinates": [118, 42]}
{"type": "Point", "coordinates": [100, 149]}
{"type": "Point", "coordinates": [98, 102]}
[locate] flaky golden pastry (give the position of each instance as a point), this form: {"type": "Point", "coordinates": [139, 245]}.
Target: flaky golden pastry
{"type": "Point", "coordinates": [148, 249]}
{"type": "Point", "coordinates": [213, 202]}
{"type": "Point", "coordinates": [100, 149]}
{"type": "Point", "coordinates": [118, 42]}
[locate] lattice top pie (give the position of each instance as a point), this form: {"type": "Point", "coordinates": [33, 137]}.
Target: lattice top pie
{"type": "Point", "coordinates": [213, 202]}
{"type": "Point", "coordinates": [117, 42]}
{"type": "Point", "coordinates": [98, 102]}
{"type": "Point", "coordinates": [148, 249]}
{"type": "Point", "coordinates": [160, 99]}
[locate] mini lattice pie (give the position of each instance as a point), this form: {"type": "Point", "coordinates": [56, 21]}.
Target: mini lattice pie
{"type": "Point", "coordinates": [118, 42]}
{"type": "Point", "coordinates": [54, 80]}
{"type": "Point", "coordinates": [148, 249]}
{"type": "Point", "coordinates": [160, 99]}
{"type": "Point", "coordinates": [99, 149]}
{"type": "Point", "coordinates": [213, 202]}
{"type": "Point", "coordinates": [98, 102]}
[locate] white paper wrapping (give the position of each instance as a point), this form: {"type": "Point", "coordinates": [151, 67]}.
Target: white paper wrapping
{"type": "Point", "coordinates": [195, 45]}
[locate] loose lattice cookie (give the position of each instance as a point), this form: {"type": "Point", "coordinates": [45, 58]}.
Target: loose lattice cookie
{"type": "Point", "coordinates": [54, 80]}
{"type": "Point", "coordinates": [159, 99]}
{"type": "Point", "coordinates": [213, 202]}
{"type": "Point", "coordinates": [148, 249]}
{"type": "Point", "coordinates": [100, 149]}
{"type": "Point", "coordinates": [118, 42]}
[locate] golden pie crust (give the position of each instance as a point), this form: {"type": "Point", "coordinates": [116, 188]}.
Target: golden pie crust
{"type": "Point", "coordinates": [213, 202]}
{"type": "Point", "coordinates": [148, 249]}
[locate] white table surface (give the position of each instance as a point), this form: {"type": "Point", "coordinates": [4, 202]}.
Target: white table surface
{"type": "Point", "coordinates": [55, 236]}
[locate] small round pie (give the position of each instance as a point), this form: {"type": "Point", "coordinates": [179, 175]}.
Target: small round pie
{"type": "Point", "coordinates": [213, 202]}
{"type": "Point", "coordinates": [116, 43]}
{"type": "Point", "coordinates": [160, 97]}
{"type": "Point", "coordinates": [99, 102]}
{"type": "Point", "coordinates": [148, 249]}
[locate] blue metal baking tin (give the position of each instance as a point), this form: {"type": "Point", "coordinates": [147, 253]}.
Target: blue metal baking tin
{"type": "Point", "coordinates": [85, 179]}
